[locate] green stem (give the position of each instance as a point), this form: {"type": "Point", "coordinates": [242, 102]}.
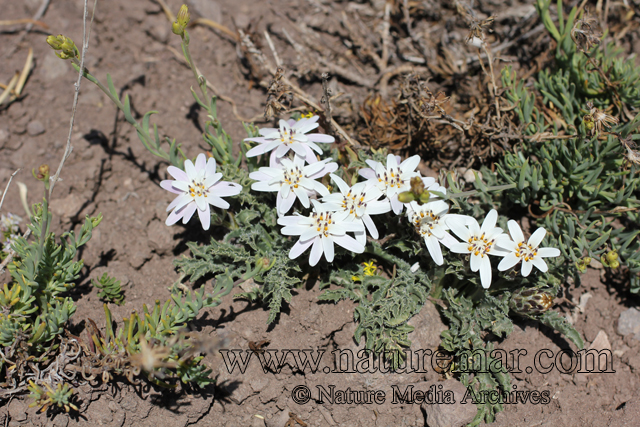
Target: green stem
{"type": "Point", "coordinates": [202, 83]}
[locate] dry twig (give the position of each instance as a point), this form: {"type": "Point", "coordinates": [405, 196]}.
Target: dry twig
{"type": "Point", "coordinates": [85, 46]}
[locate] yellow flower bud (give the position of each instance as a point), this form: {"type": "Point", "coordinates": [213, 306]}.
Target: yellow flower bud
{"type": "Point", "coordinates": [588, 122]}
{"type": "Point", "coordinates": [182, 20]}
{"type": "Point", "coordinates": [65, 45]}
{"type": "Point", "coordinates": [55, 42]}
{"type": "Point", "coordinates": [424, 197]}
{"type": "Point", "coordinates": [612, 256]}
{"type": "Point", "coordinates": [406, 197]}
{"type": "Point", "coordinates": [177, 29]}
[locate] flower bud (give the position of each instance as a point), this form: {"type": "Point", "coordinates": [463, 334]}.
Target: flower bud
{"type": "Point", "coordinates": [42, 174]}
{"type": "Point", "coordinates": [55, 42]}
{"type": "Point", "coordinates": [612, 256]}
{"type": "Point", "coordinates": [424, 197]}
{"type": "Point", "coordinates": [582, 264]}
{"type": "Point", "coordinates": [182, 20]}
{"type": "Point", "coordinates": [417, 185]}
{"type": "Point", "coordinates": [531, 301]}
{"type": "Point", "coordinates": [610, 259]}
{"type": "Point", "coordinates": [588, 122]}
{"type": "Point", "coordinates": [65, 45]}
{"type": "Point", "coordinates": [406, 197]}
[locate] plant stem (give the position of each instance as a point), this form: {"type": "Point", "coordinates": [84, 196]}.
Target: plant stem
{"type": "Point", "coordinates": [202, 82]}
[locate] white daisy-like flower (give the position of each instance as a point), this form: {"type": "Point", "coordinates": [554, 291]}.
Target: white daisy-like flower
{"type": "Point", "coordinates": [321, 230]}
{"type": "Point", "coordinates": [198, 186]}
{"type": "Point", "coordinates": [358, 202]}
{"type": "Point", "coordinates": [291, 135]}
{"type": "Point", "coordinates": [480, 242]}
{"type": "Point", "coordinates": [527, 251]}
{"type": "Point", "coordinates": [429, 221]}
{"type": "Point", "coordinates": [292, 180]}
{"type": "Point", "coordinates": [393, 178]}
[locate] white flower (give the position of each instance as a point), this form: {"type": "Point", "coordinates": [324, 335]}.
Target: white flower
{"type": "Point", "coordinates": [292, 180]}
{"type": "Point", "coordinates": [430, 222]}
{"type": "Point", "coordinates": [321, 229]}
{"type": "Point", "coordinates": [392, 179]}
{"type": "Point", "coordinates": [9, 222]}
{"type": "Point", "coordinates": [528, 251]}
{"type": "Point", "coordinates": [198, 186]}
{"type": "Point", "coordinates": [358, 202]}
{"type": "Point", "coordinates": [479, 242]}
{"type": "Point", "coordinates": [290, 135]}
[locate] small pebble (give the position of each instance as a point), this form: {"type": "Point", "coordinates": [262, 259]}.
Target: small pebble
{"type": "Point", "coordinates": [629, 323]}
{"type": "Point", "coordinates": [35, 128]}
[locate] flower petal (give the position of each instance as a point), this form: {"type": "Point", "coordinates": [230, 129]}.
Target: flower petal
{"type": "Point", "coordinates": [205, 217]}
{"type": "Point", "coordinates": [536, 237]}
{"type": "Point", "coordinates": [327, 246]}
{"type": "Point", "coordinates": [476, 262]}
{"type": "Point", "coordinates": [460, 248]}
{"type": "Point", "coordinates": [299, 248]}
{"type": "Point", "coordinates": [225, 189]}
{"type": "Point", "coordinates": [548, 252]}
{"type": "Point", "coordinates": [458, 226]}
{"type": "Point", "coordinates": [508, 261]}
{"type": "Point", "coordinates": [218, 202]}
{"type": "Point", "coordinates": [178, 174]}
{"type": "Point", "coordinates": [410, 164]}
{"type": "Point", "coordinates": [343, 186]}
{"type": "Point", "coordinates": [349, 243]}
{"type": "Point", "coordinates": [485, 273]}
{"type": "Point", "coordinates": [190, 170]}
{"type": "Point", "coordinates": [201, 162]}
{"type": "Point", "coordinates": [540, 264]}
{"type": "Point", "coordinates": [515, 231]}
{"type": "Point", "coordinates": [167, 184]}
{"type": "Point", "coordinates": [371, 226]}
{"type": "Point", "coordinates": [302, 196]}
{"type": "Point", "coordinates": [316, 252]}
{"type": "Point", "coordinates": [448, 240]}
{"type": "Point", "coordinates": [489, 222]}
{"type": "Point", "coordinates": [527, 266]}
{"type": "Point", "coordinates": [367, 173]}
{"type": "Point", "coordinates": [189, 210]}
{"type": "Point", "coordinates": [434, 249]}
{"type": "Point", "coordinates": [321, 137]}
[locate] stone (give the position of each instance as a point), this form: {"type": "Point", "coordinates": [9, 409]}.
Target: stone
{"type": "Point", "coordinates": [629, 323]}
{"type": "Point", "coordinates": [35, 127]}
{"type": "Point", "coordinates": [68, 207]}
{"type": "Point", "coordinates": [160, 237]}
{"type": "Point", "coordinates": [17, 410]}
{"type": "Point", "coordinates": [450, 415]}
{"type": "Point", "coordinates": [600, 343]}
